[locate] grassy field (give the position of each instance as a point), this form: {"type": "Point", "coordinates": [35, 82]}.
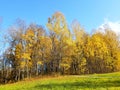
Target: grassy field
{"type": "Point", "coordinates": [109, 81]}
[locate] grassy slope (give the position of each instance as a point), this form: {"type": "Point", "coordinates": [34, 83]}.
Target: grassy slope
{"type": "Point", "coordinates": [109, 81]}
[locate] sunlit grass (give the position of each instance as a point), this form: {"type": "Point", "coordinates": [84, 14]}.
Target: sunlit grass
{"type": "Point", "coordinates": [109, 81]}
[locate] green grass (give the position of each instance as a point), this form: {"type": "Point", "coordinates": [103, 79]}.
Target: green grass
{"type": "Point", "coordinates": [110, 81]}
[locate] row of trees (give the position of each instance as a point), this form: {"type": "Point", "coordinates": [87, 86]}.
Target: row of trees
{"type": "Point", "coordinates": [35, 51]}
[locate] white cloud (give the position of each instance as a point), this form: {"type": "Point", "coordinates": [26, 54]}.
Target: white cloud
{"type": "Point", "coordinates": [115, 26]}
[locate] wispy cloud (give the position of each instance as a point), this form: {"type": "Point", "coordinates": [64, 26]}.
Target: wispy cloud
{"type": "Point", "coordinates": [115, 26]}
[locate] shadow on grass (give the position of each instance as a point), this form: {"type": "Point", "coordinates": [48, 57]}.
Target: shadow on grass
{"type": "Point", "coordinates": [80, 84]}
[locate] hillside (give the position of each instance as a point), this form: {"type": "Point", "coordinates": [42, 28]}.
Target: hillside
{"type": "Point", "coordinates": [110, 81]}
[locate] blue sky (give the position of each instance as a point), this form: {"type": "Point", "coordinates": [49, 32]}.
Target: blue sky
{"type": "Point", "coordinates": [90, 13]}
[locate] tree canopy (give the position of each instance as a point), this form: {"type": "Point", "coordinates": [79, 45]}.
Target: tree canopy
{"type": "Point", "coordinates": [59, 49]}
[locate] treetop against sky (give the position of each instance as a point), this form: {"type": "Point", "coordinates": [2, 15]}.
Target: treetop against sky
{"type": "Point", "coordinates": [91, 14]}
